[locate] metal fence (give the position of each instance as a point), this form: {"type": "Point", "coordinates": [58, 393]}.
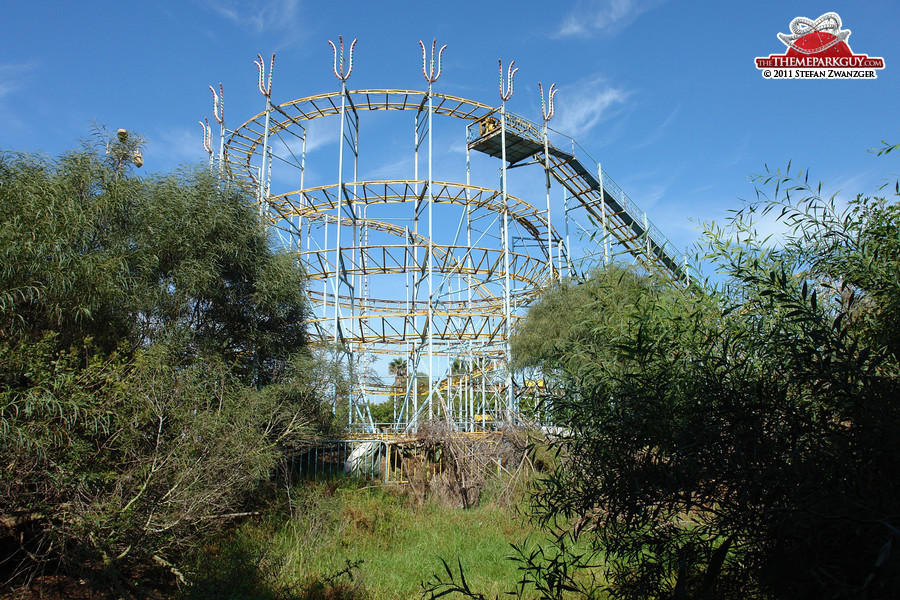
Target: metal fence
{"type": "Point", "coordinates": [333, 458]}
{"type": "Point", "coordinates": [390, 461]}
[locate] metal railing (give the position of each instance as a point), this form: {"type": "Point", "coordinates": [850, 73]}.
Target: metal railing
{"type": "Point", "coordinates": [630, 206]}
{"type": "Point", "coordinates": [488, 125]}
{"type": "Point", "coordinates": [390, 461]}
{"type": "Point", "coordinates": [341, 458]}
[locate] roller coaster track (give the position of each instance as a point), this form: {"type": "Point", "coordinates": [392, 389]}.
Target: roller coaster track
{"type": "Point", "coordinates": [597, 193]}
{"type": "Point", "coordinates": [388, 273]}
{"type": "Point", "coordinates": [603, 200]}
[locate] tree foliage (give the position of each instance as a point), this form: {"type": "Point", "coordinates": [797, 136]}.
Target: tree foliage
{"type": "Point", "coordinates": [738, 440]}
{"type": "Point", "coordinates": [152, 356]}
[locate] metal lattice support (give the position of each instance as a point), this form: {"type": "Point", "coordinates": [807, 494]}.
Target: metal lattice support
{"type": "Point", "coordinates": [433, 274]}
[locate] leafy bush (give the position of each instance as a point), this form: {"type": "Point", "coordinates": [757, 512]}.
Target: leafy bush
{"type": "Point", "coordinates": [738, 440]}
{"type": "Point", "coordinates": [152, 358]}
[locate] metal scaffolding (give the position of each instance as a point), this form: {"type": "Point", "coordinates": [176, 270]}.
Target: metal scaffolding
{"type": "Point", "coordinates": [432, 274]}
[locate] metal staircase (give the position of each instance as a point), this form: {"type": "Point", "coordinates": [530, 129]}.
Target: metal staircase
{"type": "Point", "coordinates": [606, 204]}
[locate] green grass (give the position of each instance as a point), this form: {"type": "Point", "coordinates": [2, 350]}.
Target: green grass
{"type": "Point", "coordinates": [321, 527]}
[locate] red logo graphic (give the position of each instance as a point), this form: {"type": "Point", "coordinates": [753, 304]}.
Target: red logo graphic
{"type": "Point", "coordinates": [818, 50]}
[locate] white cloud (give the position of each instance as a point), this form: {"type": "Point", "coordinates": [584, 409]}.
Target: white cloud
{"type": "Point", "coordinates": [583, 106]}
{"type": "Point", "coordinates": [322, 132]}
{"type": "Point", "coordinates": [396, 169]}
{"type": "Point", "coordinates": [261, 16]}
{"type": "Point", "coordinates": [649, 196]}
{"type": "Point", "coordinates": [175, 146]}
{"type": "Point", "coordinates": [13, 77]}
{"type": "Point", "coordinates": [776, 229]}
{"type": "Point", "coordinates": [657, 134]}
{"type": "Point", "coordinates": [319, 133]}
{"type": "Point", "coordinates": [735, 154]}
{"type": "Point", "coordinates": [596, 17]}
{"type": "Point", "coordinates": [865, 182]}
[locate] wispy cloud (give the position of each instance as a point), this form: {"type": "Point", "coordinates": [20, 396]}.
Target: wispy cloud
{"type": "Point", "coordinates": [607, 17]}
{"type": "Point", "coordinates": [737, 153]}
{"type": "Point", "coordinates": [322, 132]}
{"type": "Point", "coordinates": [261, 16]}
{"type": "Point", "coordinates": [583, 106]}
{"type": "Point", "coordinates": [395, 169]}
{"type": "Point", "coordinates": [172, 147]}
{"type": "Point", "coordinates": [319, 133]}
{"type": "Point", "coordinates": [13, 77]}
{"type": "Point", "coordinates": [657, 134]}
{"type": "Point", "coordinates": [650, 195]}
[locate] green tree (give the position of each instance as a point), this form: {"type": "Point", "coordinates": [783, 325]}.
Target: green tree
{"type": "Point", "coordinates": [736, 441]}
{"type": "Point", "coordinates": [152, 357]}
{"type": "Point", "coordinates": [382, 413]}
{"type": "Point", "coordinates": [397, 368]}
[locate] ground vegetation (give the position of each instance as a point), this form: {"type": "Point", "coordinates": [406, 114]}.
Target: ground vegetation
{"type": "Point", "coordinates": [734, 438]}
{"type": "Point", "coordinates": [153, 361]}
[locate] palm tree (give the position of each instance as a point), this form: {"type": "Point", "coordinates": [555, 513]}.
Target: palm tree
{"type": "Point", "coordinates": [397, 368]}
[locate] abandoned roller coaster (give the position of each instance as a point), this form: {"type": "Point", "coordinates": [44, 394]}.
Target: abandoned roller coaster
{"type": "Point", "coordinates": [427, 275]}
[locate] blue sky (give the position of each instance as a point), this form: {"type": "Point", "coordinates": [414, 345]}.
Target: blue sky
{"type": "Point", "coordinates": [664, 93]}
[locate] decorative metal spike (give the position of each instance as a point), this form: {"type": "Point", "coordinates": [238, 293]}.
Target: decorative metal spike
{"type": "Point", "coordinates": [547, 111]}
{"type": "Point", "coordinates": [264, 88]}
{"type": "Point", "coordinates": [428, 70]}
{"type": "Point", "coordinates": [511, 73]}
{"type": "Point", "coordinates": [207, 134]}
{"type": "Point", "coordinates": [260, 66]}
{"type": "Point", "coordinates": [218, 104]}
{"type": "Point", "coordinates": [338, 67]}
{"type": "Point", "coordinates": [352, 44]}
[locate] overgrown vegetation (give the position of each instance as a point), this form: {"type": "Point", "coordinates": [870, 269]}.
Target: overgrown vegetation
{"type": "Point", "coordinates": [152, 361]}
{"type": "Point", "coordinates": [737, 440]}
{"type": "Point", "coordinates": [346, 539]}
{"type": "Point", "coordinates": [731, 441]}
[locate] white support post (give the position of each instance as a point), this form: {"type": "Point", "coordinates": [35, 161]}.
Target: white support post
{"type": "Point", "coordinates": [547, 111]}
{"type": "Point", "coordinates": [604, 217]}
{"type": "Point", "coordinates": [507, 309]}
{"type": "Point", "coordinates": [430, 325]}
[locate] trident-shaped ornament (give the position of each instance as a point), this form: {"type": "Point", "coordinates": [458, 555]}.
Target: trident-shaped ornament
{"type": "Point", "coordinates": [511, 73]}
{"type": "Point", "coordinates": [207, 135]}
{"type": "Point", "coordinates": [264, 88]}
{"type": "Point", "coordinates": [339, 66]}
{"type": "Point", "coordinates": [547, 111]}
{"type": "Point", "coordinates": [218, 104]}
{"type": "Point", "coordinates": [430, 77]}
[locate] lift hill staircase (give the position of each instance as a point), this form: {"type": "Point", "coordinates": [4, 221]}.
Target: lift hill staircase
{"type": "Point", "coordinates": [597, 194]}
